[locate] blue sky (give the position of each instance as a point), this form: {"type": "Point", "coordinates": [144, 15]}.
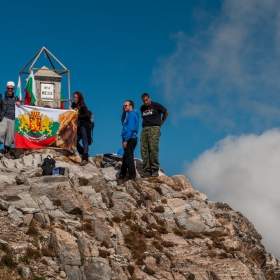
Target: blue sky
{"type": "Point", "coordinates": [113, 50]}
{"type": "Point", "coordinates": [213, 64]}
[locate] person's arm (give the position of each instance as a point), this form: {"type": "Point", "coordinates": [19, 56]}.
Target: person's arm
{"type": "Point", "coordinates": [164, 118]}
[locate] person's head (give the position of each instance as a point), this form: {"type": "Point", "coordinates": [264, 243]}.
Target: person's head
{"type": "Point", "coordinates": [146, 99]}
{"type": "Point", "coordinates": [128, 105]}
{"type": "Point", "coordinates": [78, 98]}
{"type": "Point", "coordinates": [10, 87]}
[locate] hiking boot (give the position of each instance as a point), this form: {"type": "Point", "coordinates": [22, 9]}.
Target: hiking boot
{"type": "Point", "coordinates": [146, 174]}
{"type": "Point", "coordinates": [154, 173]}
{"type": "Point", "coordinates": [83, 163]}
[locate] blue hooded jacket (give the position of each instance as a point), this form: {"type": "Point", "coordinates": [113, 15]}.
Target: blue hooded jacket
{"type": "Point", "coordinates": [130, 122]}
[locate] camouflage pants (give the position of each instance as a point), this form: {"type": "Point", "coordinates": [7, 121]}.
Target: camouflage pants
{"type": "Point", "coordinates": [149, 147]}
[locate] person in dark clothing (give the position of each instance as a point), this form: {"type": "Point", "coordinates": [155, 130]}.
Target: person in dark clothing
{"type": "Point", "coordinates": [130, 122]}
{"type": "Point", "coordinates": [83, 132]}
{"type": "Point", "coordinates": [7, 116]}
{"type": "Point", "coordinates": [154, 115]}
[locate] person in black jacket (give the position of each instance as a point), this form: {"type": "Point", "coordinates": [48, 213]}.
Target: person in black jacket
{"type": "Point", "coordinates": [83, 132]}
{"type": "Point", "coordinates": [7, 116]}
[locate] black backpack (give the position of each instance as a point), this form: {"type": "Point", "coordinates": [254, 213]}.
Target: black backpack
{"type": "Point", "coordinates": [48, 165]}
{"type": "Point", "coordinates": [91, 125]}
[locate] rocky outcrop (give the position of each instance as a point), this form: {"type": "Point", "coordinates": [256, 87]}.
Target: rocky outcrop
{"type": "Point", "coordinates": [83, 226]}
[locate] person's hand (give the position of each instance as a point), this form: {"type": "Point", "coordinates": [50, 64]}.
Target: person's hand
{"type": "Point", "coordinates": [18, 103]}
{"type": "Point", "coordinates": [124, 144]}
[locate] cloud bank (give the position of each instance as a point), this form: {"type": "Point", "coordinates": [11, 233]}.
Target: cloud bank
{"type": "Point", "coordinates": [227, 74]}
{"type": "Point", "coordinates": [244, 172]}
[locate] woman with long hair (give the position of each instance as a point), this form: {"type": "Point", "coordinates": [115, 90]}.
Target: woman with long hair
{"type": "Point", "coordinates": [83, 132]}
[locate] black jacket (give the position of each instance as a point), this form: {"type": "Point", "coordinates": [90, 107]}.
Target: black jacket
{"type": "Point", "coordinates": [83, 119]}
{"type": "Point", "coordinates": [4, 105]}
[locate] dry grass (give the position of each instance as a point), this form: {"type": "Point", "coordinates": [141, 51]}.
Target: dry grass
{"type": "Point", "coordinates": [190, 195]}
{"type": "Point", "coordinates": [158, 246]}
{"type": "Point", "coordinates": [159, 209]}
{"type": "Point", "coordinates": [30, 254]}
{"type": "Point", "coordinates": [117, 219]}
{"type": "Point", "coordinates": [103, 253]}
{"type": "Point", "coordinates": [8, 260]}
{"type": "Point", "coordinates": [154, 180]}
{"type": "Point", "coordinates": [48, 250]}
{"type": "Point", "coordinates": [97, 161]}
{"type": "Point", "coordinates": [111, 202]}
{"type": "Point", "coordinates": [130, 269]}
{"type": "Point", "coordinates": [104, 198]}
{"type": "Point", "coordinates": [149, 270]}
{"type": "Point", "coordinates": [176, 189]}
{"type": "Point", "coordinates": [136, 242]}
{"type": "Point", "coordinates": [105, 244]}
{"type": "Point", "coordinates": [57, 202]}
{"type": "Point", "coordinates": [159, 221]}
{"type": "Point", "coordinates": [130, 215]}
{"type": "Point", "coordinates": [5, 248]}
{"type": "Point", "coordinates": [110, 222]}
{"type": "Point", "coordinates": [212, 254]}
{"type": "Point", "coordinates": [83, 181]}
{"type": "Point", "coordinates": [158, 228]}
{"type": "Point", "coordinates": [7, 273]}
{"type": "Point", "coordinates": [158, 189]}
{"type": "Point", "coordinates": [167, 244]}
{"type": "Point", "coordinates": [52, 219]}
{"type": "Point", "coordinates": [32, 229]}
{"type": "Point", "coordinates": [87, 227]}
{"type": "Point", "coordinates": [145, 218]}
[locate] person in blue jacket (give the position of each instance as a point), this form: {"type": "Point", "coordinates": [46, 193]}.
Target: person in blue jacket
{"type": "Point", "coordinates": [130, 124]}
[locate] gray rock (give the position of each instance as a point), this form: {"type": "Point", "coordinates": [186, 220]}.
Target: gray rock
{"type": "Point", "coordinates": [109, 173]}
{"type": "Point", "coordinates": [87, 247]}
{"type": "Point", "coordinates": [26, 272]}
{"type": "Point", "coordinates": [49, 180]}
{"type": "Point", "coordinates": [29, 210]}
{"type": "Point", "coordinates": [4, 205]}
{"type": "Point", "coordinates": [97, 269]}
{"type": "Point", "coordinates": [44, 202]}
{"type": "Point", "coordinates": [102, 232]}
{"type": "Point", "coordinates": [41, 218]}
{"type": "Point", "coordinates": [16, 218]}
{"type": "Point", "coordinates": [117, 271]}
{"type": "Point", "coordinates": [73, 272]}
{"type": "Point", "coordinates": [66, 248]}
{"type": "Point", "coordinates": [57, 214]}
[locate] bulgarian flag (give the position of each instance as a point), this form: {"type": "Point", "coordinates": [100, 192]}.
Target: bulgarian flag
{"type": "Point", "coordinates": [18, 91]}
{"type": "Point", "coordinates": [30, 90]}
{"type": "Point", "coordinates": [40, 127]}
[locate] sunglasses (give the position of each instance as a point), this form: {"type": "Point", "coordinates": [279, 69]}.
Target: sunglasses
{"type": "Point", "coordinates": [10, 88]}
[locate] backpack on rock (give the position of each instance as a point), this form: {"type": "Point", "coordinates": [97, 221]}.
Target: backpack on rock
{"type": "Point", "coordinates": [48, 165]}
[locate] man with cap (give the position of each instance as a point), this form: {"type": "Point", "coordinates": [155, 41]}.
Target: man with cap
{"type": "Point", "coordinates": [7, 116]}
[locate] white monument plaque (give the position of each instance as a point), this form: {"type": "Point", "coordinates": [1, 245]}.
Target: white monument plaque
{"type": "Point", "coordinates": [47, 91]}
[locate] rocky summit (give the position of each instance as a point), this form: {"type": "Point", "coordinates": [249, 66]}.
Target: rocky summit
{"type": "Point", "coordinates": [83, 226]}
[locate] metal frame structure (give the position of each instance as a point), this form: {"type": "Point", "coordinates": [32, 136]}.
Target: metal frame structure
{"type": "Point", "coordinates": [27, 69]}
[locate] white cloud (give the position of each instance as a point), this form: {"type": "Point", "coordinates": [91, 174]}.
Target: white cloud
{"type": "Point", "coordinates": [228, 67]}
{"type": "Point", "coordinates": [244, 171]}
